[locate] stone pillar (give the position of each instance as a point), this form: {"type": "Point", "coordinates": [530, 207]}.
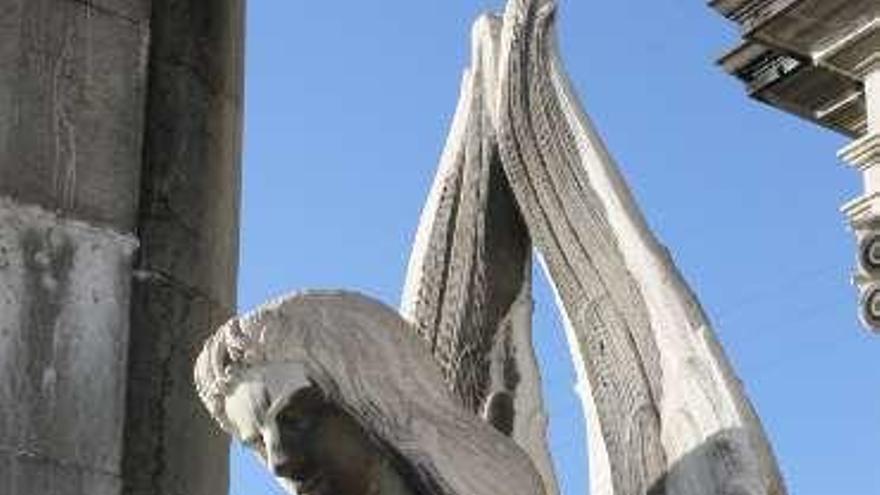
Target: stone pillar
{"type": "Point", "coordinates": [119, 179]}
{"type": "Point", "coordinates": [185, 278]}
{"type": "Point", "coordinates": [72, 83]}
{"type": "Point", "coordinates": [864, 212]}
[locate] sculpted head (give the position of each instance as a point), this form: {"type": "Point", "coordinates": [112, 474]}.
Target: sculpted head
{"type": "Point", "coordinates": [309, 442]}
{"type": "Point", "coordinates": [336, 394]}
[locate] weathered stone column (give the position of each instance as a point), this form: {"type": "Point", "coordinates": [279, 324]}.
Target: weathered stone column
{"type": "Point", "coordinates": [185, 278]}
{"type": "Point", "coordinates": [119, 177]}
{"type": "Point", "coordinates": [72, 82]}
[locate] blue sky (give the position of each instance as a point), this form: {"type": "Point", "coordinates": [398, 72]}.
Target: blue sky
{"type": "Point", "coordinates": [347, 109]}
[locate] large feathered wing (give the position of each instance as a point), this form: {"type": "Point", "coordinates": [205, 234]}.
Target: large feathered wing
{"type": "Point", "coordinates": [468, 287]}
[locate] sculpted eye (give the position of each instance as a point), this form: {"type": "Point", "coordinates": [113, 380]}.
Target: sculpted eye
{"type": "Point", "coordinates": [294, 423]}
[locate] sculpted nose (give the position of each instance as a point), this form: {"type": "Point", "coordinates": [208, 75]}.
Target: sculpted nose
{"type": "Point", "coordinates": [277, 459]}
{"type": "Point", "coordinates": [286, 466]}
{"type": "Point", "coordinates": [282, 464]}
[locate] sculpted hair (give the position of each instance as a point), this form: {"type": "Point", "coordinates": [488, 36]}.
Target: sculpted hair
{"type": "Point", "coordinates": [367, 360]}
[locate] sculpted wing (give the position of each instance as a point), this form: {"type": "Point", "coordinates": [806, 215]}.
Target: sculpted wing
{"type": "Point", "coordinates": [468, 287]}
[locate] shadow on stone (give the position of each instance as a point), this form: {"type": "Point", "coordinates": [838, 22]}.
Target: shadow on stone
{"type": "Point", "coordinates": [724, 464]}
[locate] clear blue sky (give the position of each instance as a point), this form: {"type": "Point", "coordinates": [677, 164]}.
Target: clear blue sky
{"type": "Point", "coordinates": [348, 105]}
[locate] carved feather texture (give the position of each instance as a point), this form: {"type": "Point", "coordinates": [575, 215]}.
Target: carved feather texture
{"type": "Point", "coordinates": [472, 268]}
{"type": "Point", "coordinates": [632, 320]}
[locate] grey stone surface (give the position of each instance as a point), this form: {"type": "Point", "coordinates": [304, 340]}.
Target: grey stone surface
{"type": "Point", "coordinates": [188, 229]}
{"type": "Point", "coordinates": [188, 220]}
{"type": "Point", "coordinates": [89, 134]}
{"type": "Point", "coordinates": [72, 84]}
{"type": "Point", "coordinates": [190, 193]}
{"type": "Point", "coordinates": [135, 11]}
{"type": "Point", "coordinates": [25, 473]}
{"type": "Point", "coordinates": [64, 289]}
{"type": "Point", "coordinates": [205, 38]}
{"type": "Point", "coordinates": [172, 447]}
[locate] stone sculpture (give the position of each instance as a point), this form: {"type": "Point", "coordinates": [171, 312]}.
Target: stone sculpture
{"type": "Point", "coordinates": [523, 166]}
{"type": "Point", "coordinates": [338, 396]}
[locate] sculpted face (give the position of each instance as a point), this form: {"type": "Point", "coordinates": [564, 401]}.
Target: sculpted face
{"type": "Point", "coordinates": [311, 443]}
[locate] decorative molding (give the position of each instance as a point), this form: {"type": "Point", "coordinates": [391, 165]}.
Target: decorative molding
{"type": "Point", "coordinates": [863, 153]}
{"type": "Point", "coordinates": [869, 306]}
{"type": "Point", "coordinates": [862, 211]}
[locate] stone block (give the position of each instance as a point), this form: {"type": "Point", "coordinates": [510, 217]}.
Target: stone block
{"type": "Point", "coordinates": [64, 289]}
{"type": "Point", "coordinates": [72, 86]}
